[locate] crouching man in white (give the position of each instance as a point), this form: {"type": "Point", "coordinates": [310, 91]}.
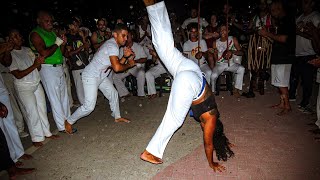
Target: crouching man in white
{"type": "Point", "coordinates": [224, 59]}
{"type": "Point", "coordinates": [95, 74]}
{"type": "Point", "coordinates": [30, 92]}
{"type": "Point", "coordinates": [140, 57]}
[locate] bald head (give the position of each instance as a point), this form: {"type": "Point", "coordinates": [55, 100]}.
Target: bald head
{"type": "Point", "coordinates": [45, 20]}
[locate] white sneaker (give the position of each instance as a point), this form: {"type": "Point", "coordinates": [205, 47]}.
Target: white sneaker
{"type": "Point", "coordinates": [23, 134]}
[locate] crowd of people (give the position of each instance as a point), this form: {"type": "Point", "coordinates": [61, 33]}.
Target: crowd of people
{"type": "Point", "coordinates": [59, 58]}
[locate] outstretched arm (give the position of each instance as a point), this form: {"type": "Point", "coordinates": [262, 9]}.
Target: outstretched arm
{"type": "Point", "coordinates": [209, 124]}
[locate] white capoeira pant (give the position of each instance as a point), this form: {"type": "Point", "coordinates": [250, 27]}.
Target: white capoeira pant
{"type": "Point", "coordinates": [33, 99]}
{"type": "Point", "coordinates": [54, 83]}
{"type": "Point", "coordinates": [234, 67]}
{"type": "Point", "coordinates": [68, 81]}
{"type": "Point", "coordinates": [187, 84]}
{"type": "Point", "coordinates": [136, 71]}
{"type": "Point", "coordinates": [151, 75]}
{"type": "Point", "coordinates": [8, 126]}
{"type": "Point", "coordinates": [18, 112]}
{"type": "Point", "coordinates": [79, 85]}
{"type": "Point", "coordinates": [91, 85]}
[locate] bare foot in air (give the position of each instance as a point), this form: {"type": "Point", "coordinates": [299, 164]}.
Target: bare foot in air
{"type": "Point", "coordinates": [37, 144]}
{"type": "Point", "coordinates": [122, 120]}
{"type": "Point", "coordinates": [146, 156]}
{"type": "Point", "coordinates": [54, 137]}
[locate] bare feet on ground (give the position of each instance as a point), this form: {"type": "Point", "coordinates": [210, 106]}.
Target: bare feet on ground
{"type": "Point", "coordinates": [152, 96]}
{"type": "Point", "coordinates": [68, 127]}
{"type": "Point", "coordinates": [26, 157]}
{"type": "Point", "coordinates": [122, 120]}
{"type": "Point", "coordinates": [277, 106]}
{"type": "Point", "coordinates": [217, 167]}
{"type": "Point", "coordinates": [19, 164]}
{"type": "Point", "coordinates": [146, 156]}
{"type": "Point", "coordinates": [15, 171]}
{"type": "Point", "coordinates": [37, 144]}
{"type": "Point", "coordinates": [54, 137]}
{"type": "Point", "coordinates": [284, 111]}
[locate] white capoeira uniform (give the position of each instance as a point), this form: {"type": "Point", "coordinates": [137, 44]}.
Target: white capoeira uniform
{"type": "Point", "coordinates": [137, 71]}
{"type": "Point", "coordinates": [18, 112]}
{"type": "Point", "coordinates": [68, 80]}
{"type": "Point", "coordinates": [54, 82]}
{"type": "Point", "coordinates": [187, 84]}
{"type": "Point", "coordinates": [94, 77]}
{"type": "Point", "coordinates": [31, 94]}
{"type": "Point", "coordinates": [191, 49]}
{"type": "Point", "coordinates": [151, 75]}
{"type": "Point", "coordinates": [8, 126]}
{"type": "Point", "coordinates": [222, 65]}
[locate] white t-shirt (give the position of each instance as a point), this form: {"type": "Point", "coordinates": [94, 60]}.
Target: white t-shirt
{"type": "Point", "coordinates": [3, 88]}
{"type": "Point", "coordinates": [303, 45]}
{"type": "Point", "coordinates": [191, 48]}
{"type": "Point", "coordinates": [138, 51]}
{"type": "Point", "coordinates": [146, 42]}
{"type": "Point", "coordinates": [222, 46]}
{"type": "Point", "coordinates": [101, 61]}
{"type": "Point", "coordinates": [186, 22]}
{"type": "Point", "coordinates": [21, 60]}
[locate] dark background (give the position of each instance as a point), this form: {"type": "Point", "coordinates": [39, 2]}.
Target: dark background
{"type": "Point", "coordinates": [21, 14]}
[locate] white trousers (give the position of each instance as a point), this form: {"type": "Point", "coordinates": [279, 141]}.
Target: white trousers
{"type": "Point", "coordinates": [138, 72]}
{"type": "Point", "coordinates": [151, 75]}
{"type": "Point", "coordinates": [91, 86]}
{"type": "Point", "coordinates": [54, 83]}
{"type": "Point", "coordinates": [68, 83]}
{"type": "Point", "coordinates": [187, 79]}
{"type": "Point", "coordinates": [79, 85]}
{"type": "Point", "coordinates": [33, 100]}
{"type": "Point", "coordinates": [10, 130]}
{"type": "Point", "coordinates": [18, 112]}
{"type": "Point", "coordinates": [207, 71]}
{"type": "Point", "coordinates": [234, 67]}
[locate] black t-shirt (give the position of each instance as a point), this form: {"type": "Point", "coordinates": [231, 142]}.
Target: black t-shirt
{"type": "Point", "coordinates": [80, 60]}
{"type": "Point", "coordinates": [283, 53]}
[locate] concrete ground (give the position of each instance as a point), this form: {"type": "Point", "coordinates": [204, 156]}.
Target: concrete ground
{"type": "Point", "coordinates": [267, 146]}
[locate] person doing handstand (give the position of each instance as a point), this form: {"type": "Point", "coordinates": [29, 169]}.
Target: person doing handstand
{"type": "Point", "coordinates": [189, 88]}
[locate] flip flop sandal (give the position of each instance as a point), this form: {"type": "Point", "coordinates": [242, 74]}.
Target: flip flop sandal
{"type": "Point", "coordinates": [74, 130]}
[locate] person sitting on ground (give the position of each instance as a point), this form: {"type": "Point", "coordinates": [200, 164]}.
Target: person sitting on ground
{"type": "Point", "coordinates": [189, 88]}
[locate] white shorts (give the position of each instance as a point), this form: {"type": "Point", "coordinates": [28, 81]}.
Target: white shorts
{"type": "Point", "coordinates": [280, 75]}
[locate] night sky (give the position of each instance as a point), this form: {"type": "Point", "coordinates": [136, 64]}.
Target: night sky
{"type": "Point", "coordinates": [22, 13]}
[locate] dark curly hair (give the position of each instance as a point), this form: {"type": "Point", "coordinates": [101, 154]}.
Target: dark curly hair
{"type": "Point", "coordinates": [221, 143]}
